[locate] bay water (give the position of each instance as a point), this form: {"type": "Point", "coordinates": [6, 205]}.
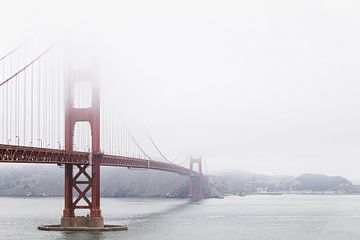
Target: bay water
{"type": "Point", "coordinates": [254, 217]}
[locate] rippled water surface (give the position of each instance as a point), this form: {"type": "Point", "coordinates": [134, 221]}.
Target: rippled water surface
{"type": "Point", "coordinates": [251, 217]}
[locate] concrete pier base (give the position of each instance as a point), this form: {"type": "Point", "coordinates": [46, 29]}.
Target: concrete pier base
{"type": "Point", "coordinates": [82, 224]}
{"type": "Point", "coordinates": [91, 222]}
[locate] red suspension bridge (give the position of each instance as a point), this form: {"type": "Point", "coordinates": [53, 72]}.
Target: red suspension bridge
{"type": "Point", "coordinates": [51, 114]}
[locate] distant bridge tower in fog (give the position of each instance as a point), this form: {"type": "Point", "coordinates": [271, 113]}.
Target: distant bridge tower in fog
{"type": "Point", "coordinates": [196, 188]}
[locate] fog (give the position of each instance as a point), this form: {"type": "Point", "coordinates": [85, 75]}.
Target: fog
{"type": "Point", "coordinates": [264, 86]}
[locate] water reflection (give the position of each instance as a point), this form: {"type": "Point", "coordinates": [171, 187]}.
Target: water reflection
{"type": "Point", "coordinates": [285, 217]}
{"type": "Point", "coordinates": [81, 236]}
{"type": "Point", "coordinates": [159, 214]}
{"type": "Point", "coordinates": [169, 209]}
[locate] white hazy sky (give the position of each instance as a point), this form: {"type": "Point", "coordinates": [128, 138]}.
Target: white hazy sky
{"type": "Point", "coordinates": [264, 86]}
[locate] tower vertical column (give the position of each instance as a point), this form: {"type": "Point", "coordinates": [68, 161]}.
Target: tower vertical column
{"type": "Point", "coordinates": [69, 132]}
{"type": "Point", "coordinates": [92, 116]}
{"type": "Point", "coordinates": [195, 186]}
{"type": "Point", "coordinates": [95, 134]}
{"type": "Point", "coordinates": [68, 194]}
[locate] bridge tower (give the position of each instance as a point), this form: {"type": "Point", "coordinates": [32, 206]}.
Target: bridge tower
{"type": "Point", "coordinates": [196, 188]}
{"type": "Point", "coordinates": [77, 179]}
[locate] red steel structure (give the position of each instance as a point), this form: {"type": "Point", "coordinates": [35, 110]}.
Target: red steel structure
{"type": "Point", "coordinates": [77, 179]}
{"type": "Point", "coordinates": [34, 155]}
{"type": "Point", "coordinates": [196, 186]}
{"type": "Point", "coordinates": [92, 181]}
{"type": "Point", "coordinates": [80, 161]}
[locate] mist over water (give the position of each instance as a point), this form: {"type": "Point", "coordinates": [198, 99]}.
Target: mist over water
{"type": "Point", "coordinates": [298, 217]}
{"type": "Point", "coordinates": [251, 86]}
{"type": "Point", "coordinates": [266, 87]}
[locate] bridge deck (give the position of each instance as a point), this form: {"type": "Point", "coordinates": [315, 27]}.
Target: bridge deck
{"type": "Point", "coordinates": [22, 154]}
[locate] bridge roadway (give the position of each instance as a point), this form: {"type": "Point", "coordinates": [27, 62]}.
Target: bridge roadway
{"type": "Point", "coordinates": [22, 154]}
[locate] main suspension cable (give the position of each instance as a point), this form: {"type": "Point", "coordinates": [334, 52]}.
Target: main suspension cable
{"type": "Point", "coordinates": [137, 144]}
{"type": "Point", "coordinates": [154, 144]}
{"type": "Point", "coordinates": [28, 65]}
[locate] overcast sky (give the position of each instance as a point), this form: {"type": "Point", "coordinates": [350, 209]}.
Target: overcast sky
{"type": "Point", "coordinates": [264, 86]}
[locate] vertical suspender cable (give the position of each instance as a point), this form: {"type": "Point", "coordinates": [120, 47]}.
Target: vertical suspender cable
{"type": "Point", "coordinates": [24, 108]}
{"type": "Point", "coordinates": [52, 101]}
{"type": "Point", "coordinates": [18, 80]}
{"type": "Point", "coordinates": [11, 100]}
{"type": "Point", "coordinates": [109, 132]}
{"type": "Point", "coordinates": [108, 129]}
{"type": "Point", "coordinates": [50, 93]}
{"type": "Point", "coordinates": [32, 106]}
{"type": "Point", "coordinates": [57, 87]}
{"type": "Point", "coordinates": [56, 93]}
{"type": "Point", "coordinates": [115, 132]}
{"type": "Point", "coordinates": [16, 108]}
{"type": "Point", "coordinates": [45, 102]}
{"type": "Point", "coordinates": [17, 118]}
{"type": "Point", "coordinates": [7, 111]}
{"type": "Point", "coordinates": [119, 135]}
{"type": "Point", "coordinates": [112, 133]}
{"type": "Point", "coordinates": [121, 139]}
{"type": "Point", "coordinates": [38, 103]}
{"type": "Point", "coordinates": [3, 104]}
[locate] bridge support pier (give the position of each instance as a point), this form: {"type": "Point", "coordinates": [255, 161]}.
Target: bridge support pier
{"type": "Point", "coordinates": [82, 182]}
{"type": "Point", "coordinates": [82, 222]}
{"type": "Point", "coordinates": [195, 187]}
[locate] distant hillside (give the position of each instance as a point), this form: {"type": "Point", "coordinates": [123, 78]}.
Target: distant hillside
{"type": "Point", "coordinates": [317, 182]}
{"type": "Point", "coordinates": [122, 182]}
{"type": "Point", "coordinates": [245, 182]}
{"type": "Point", "coordinates": [115, 182]}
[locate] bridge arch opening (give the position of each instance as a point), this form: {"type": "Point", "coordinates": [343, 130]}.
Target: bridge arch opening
{"type": "Point", "coordinates": [196, 167]}
{"type": "Point", "coordinates": [82, 137]}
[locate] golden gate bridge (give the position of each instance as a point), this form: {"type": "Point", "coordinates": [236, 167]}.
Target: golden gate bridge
{"type": "Point", "coordinates": [52, 112]}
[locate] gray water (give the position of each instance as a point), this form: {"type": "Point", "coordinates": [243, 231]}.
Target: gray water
{"type": "Point", "coordinates": [310, 217]}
